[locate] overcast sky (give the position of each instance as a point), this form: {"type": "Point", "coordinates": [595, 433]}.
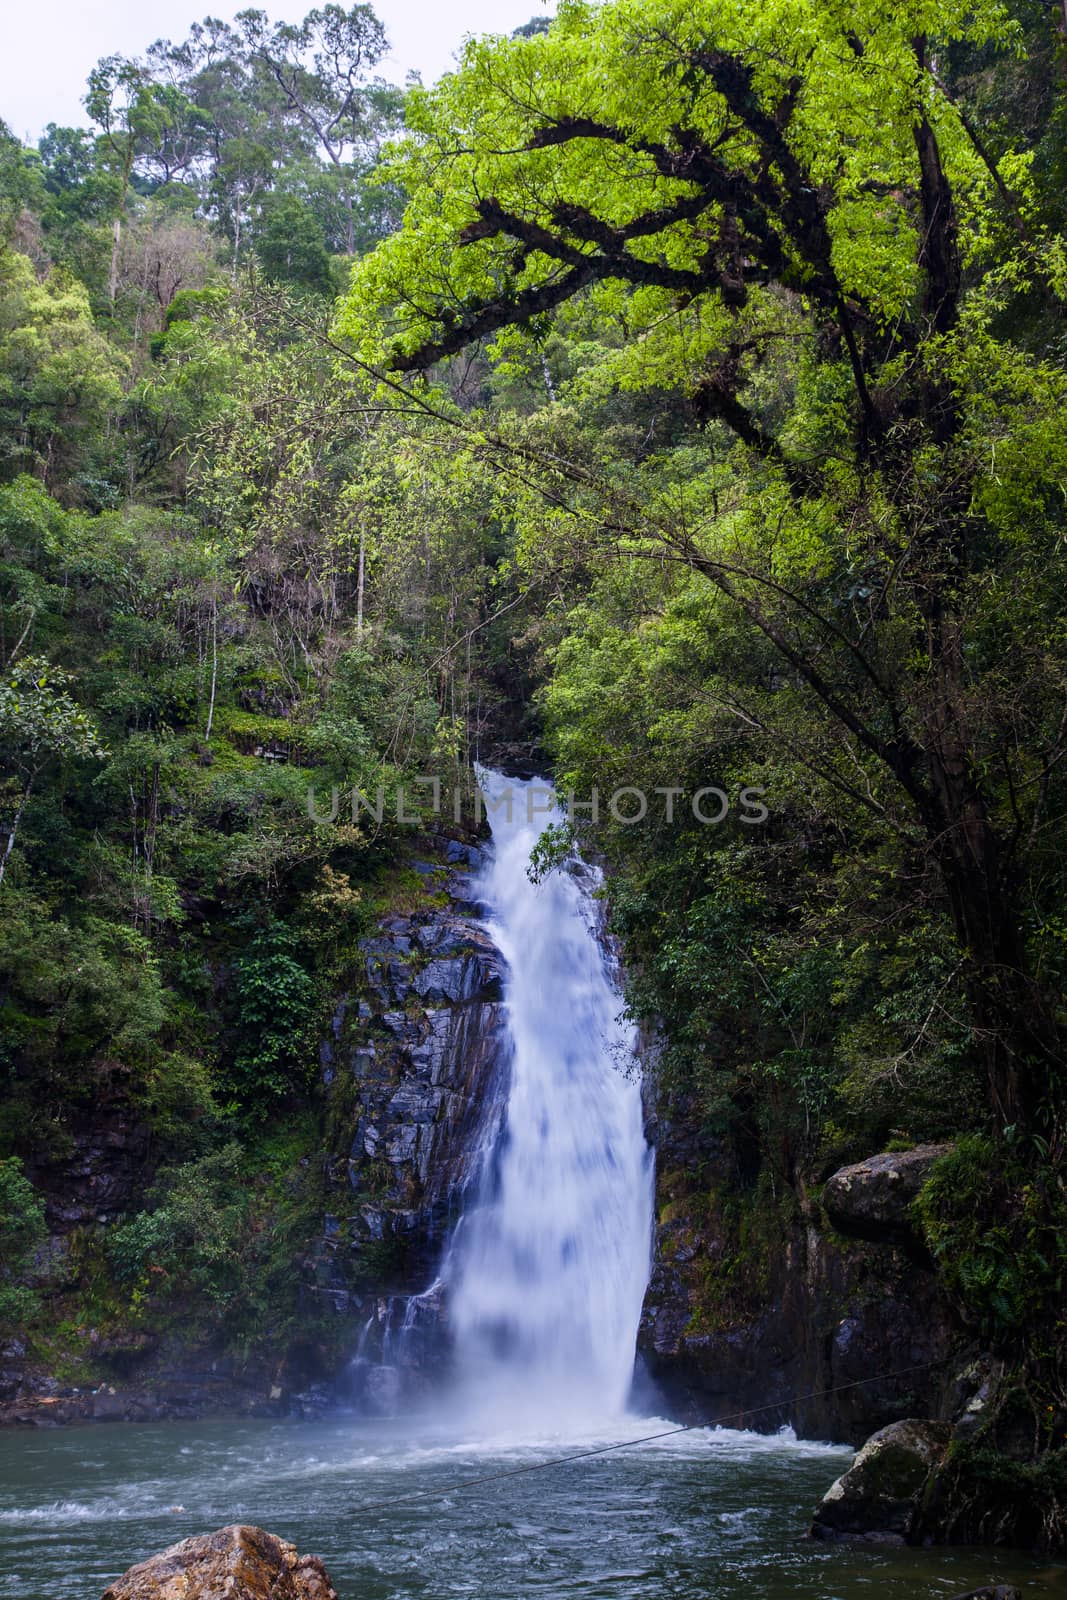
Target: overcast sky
{"type": "Point", "coordinates": [47, 47]}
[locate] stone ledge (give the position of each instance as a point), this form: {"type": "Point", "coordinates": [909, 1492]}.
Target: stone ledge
{"type": "Point", "coordinates": [872, 1199]}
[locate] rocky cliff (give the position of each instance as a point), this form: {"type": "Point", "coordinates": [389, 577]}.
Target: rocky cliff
{"type": "Point", "coordinates": [820, 1307]}
{"type": "Point", "coordinates": [762, 1309]}
{"type": "Point", "coordinates": [417, 1074]}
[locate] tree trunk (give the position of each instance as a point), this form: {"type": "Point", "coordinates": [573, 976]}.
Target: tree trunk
{"type": "Point", "coordinates": [113, 276]}
{"type": "Point", "coordinates": [550, 388]}
{"type": "Point", "coordinates": [214, 665]}
{"type": "Point", "coordinates": [361, 577]}
{"type": "Point", "coordinates": [13, 830]}
{"type": "Point", "coordinates": [1016, 1037]}
{"type": "Point", "coordinates": [152, 821]}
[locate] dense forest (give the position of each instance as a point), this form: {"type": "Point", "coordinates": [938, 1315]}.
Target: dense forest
{"type": "Point", "coordinates": [671, 399]}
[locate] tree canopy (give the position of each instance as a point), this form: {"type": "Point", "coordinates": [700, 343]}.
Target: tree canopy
{"type": "Point", "coordinates": [790, 216]}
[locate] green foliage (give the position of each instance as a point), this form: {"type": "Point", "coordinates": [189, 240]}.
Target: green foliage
{"type": "Point", "coordinates": [623, 76]}
{"type": "Point", "coordinates": [233, 120]}
{"type": "Point", "coordinates": [997, 1229]}
{"type": "Point", "coordinates": [274, 1015]}
{"type": "Point", "coordinates": [59, 378]}
{"type": "Point", "coordinates": [192, 1240]}
{"type": "Point", "coordinates": [38, 717]}
{"type": "Point", "coordinates": [21, 183]}
{"type": "Point", "coordinates": [554, 847]}
{"type": "Point", "coordinates": [215, 1251]}
{"type": "Point", "coordinates": [291, 247]}
{"type": "Point", "coordinates": [84, 1006]}
{"type": "Point", "coordinates": [22, 1232]}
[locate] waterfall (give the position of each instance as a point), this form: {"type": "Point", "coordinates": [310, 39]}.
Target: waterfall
{"type": "Point", "coordinates": [546, 1275]}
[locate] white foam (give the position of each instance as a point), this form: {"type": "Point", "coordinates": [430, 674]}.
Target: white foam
{"type": "Point", "coordinates": [64, 1511]}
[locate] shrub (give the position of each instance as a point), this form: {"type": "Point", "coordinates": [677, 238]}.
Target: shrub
{"type": "Point", "coordinates": [275, 1011]}
{"type": "Point", "coordinates": [192, 1241]}
{"type": "Point", "coordinates": [997, 1230]}
{"type": "Point", "coordinates": [22, 1232]}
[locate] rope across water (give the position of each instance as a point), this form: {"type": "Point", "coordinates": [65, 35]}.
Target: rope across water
{"type": "Point", "coordinates": [458, 1485]}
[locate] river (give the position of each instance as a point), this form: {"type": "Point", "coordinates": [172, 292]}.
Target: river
{"type": "Point", "coordinates": [545, 1279]}
{"type": "Point", "coordinates": [707, 1516]}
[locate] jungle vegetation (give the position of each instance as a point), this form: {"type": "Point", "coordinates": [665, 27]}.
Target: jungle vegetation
{"type": "Point", "coordinates": [671, 396]}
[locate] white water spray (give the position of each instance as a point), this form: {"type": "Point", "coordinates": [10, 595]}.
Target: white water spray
{"type": "Point", "coordinates": [548, 1274]}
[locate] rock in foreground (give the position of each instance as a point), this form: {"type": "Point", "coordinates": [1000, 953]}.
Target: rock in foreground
{"type": "Point", "coordinates": [236, 1563]}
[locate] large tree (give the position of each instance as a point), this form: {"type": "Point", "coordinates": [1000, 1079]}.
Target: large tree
{"type": "Point", "coordinates": [796, 190]}
{"type": "Point", "coordinates": [238, 112]}
{"type": "Point", "coordinates": [321, 68]}
{"type": "Point", "coordinates": [145, 125]}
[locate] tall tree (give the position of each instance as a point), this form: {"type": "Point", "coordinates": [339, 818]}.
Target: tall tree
{"type": "Point", "coordinates": [793, 187]}
{"type": "Point", "coordinates": [59, 378]}
{"type": "Point", "coordinates": [144, 123]}
{"type": "Point", "coordinates": [246, 137]}
{"type": "Point", "coordinates": [21, 182]}
{"type": "Point", "coordinates": [322, 66]}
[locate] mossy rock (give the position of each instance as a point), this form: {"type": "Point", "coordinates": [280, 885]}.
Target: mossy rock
{"type": "Point", "coordinates": [885, 1490]}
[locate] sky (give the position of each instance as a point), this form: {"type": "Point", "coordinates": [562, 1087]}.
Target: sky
{"type": "Point", "coordinates": [48, 47]}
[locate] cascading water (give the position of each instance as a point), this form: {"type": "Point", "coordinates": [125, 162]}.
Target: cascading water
{"type": "Point", "coordinates": [546, 1276]}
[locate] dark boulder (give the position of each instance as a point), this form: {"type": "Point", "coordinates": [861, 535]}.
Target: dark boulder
{"type": "Point", "coordinates": [884, 1491]}
{"type": "Point", "coordinates": [97, 1173]}
{"type": "Point", "coordinates": [996, 1591]}
{"type": "Point", "coordinates": [872, 1199]}
{"type": "Point", "coordinates": [238, 1563]}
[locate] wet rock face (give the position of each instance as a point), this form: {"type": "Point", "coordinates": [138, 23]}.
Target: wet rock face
{"type": "Point", "coordinates": [99, 1176]}
{"type": "Point", "coordinates": [421, 1067]}
{"type": "Point", "coordinates": [426, 1056]}
{"type": "Point", "coordinates": [884, 1491]}
{"type": "Point", "coordinates": [235, 1563]}
{"type": "Point", "coordinates": [872, 1199]}
{"type": "Point", "coordinates": [845, 1335]}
